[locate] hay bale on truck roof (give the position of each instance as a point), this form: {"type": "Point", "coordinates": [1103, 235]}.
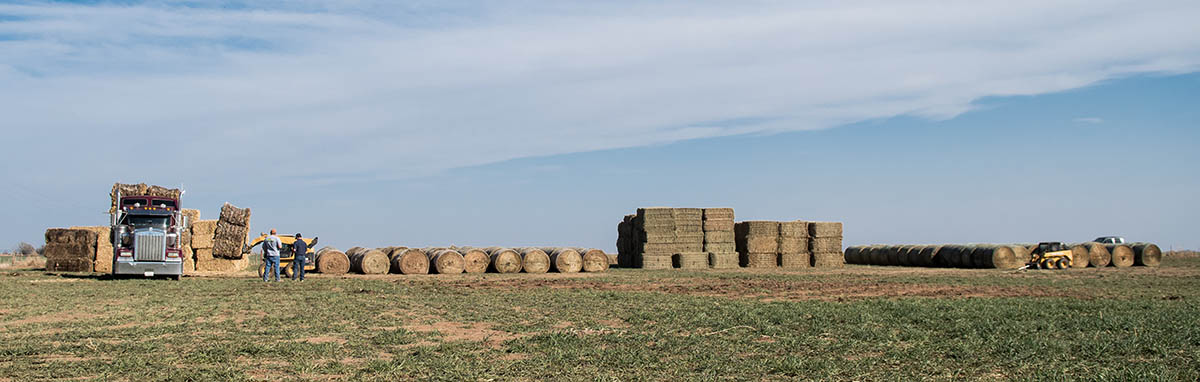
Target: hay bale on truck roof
{"type": "Point", "coordinates": [125, 190]}
{"type": "Point", "coordinates": [1122, 255]}
{"type": "Point", "coordinates": [1146, 254]}
{"type": "Point", "coordinates": [331, 261]}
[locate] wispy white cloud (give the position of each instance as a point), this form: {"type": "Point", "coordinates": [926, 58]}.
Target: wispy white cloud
{"type": "Point", "coordinates": [1088, 120]}
{"type": "Point", "coordinates": [373, 90]}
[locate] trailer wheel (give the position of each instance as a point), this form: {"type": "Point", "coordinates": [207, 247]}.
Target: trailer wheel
{"type": "Point", "coordinates": [262, 269]}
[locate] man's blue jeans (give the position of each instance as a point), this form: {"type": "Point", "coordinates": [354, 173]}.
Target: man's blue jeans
{"type": "Point", "coordinates": [298, 267]}
{"type": "Point", "coordinates": [272, 267]}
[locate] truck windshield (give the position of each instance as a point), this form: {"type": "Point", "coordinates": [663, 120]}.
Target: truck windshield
{"type": "Point", "coordinates": [159, 222]}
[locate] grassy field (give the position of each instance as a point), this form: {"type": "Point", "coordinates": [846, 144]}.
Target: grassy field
{"type": "Point", "coordinates": [857, 323]}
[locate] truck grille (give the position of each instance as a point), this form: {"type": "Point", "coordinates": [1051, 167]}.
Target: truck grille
{"type": "Point", "coordinates": [149, 246]}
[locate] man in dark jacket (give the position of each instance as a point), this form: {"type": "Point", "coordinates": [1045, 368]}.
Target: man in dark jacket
{"type": "Point", "coordinates": [300, 249]}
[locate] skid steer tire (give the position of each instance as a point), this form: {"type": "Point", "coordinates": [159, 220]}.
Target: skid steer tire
{"type": "Point", "coordinates": [1062, 264]}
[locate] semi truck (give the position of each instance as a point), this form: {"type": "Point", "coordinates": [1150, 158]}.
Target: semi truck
{"type": "Point", "coordinates": [146, 233]}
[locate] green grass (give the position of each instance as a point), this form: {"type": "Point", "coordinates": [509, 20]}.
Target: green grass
{"type": "Point", "coordinates": [858, 323]}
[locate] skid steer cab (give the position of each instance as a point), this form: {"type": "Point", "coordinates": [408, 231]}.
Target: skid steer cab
{"type": "Point", "coordinates": [1050, 255]}
{"type": "Point", "coordinates": [287, 257]}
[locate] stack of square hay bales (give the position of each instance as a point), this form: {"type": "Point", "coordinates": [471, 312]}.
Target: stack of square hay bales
{"type": "Point", "coordinates": [825, 243]}
{"type": "Point", "coordinates": [203, 232]}
{"type": "Point", "coordinates": [70, 250]}
{"type": "Point", "coordinates": [233, 226]}
{"type": "Point", "coordinates": [793, 245]}
{"type": "Point", "coordinates": [667, 236]}
{"type": "Point", "coordinates": [626, 242]}
{"type": "Point", "coordinates": [757, 243]}
{"type": "Point", "coordinates": [185, 240]}
{"type": "Point", "coordinates": [102, 255]}
{"type": "Point", "coordinates": [719, 238]}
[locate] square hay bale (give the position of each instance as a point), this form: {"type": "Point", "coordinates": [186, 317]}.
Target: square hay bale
{"type": "Point", "coordinates": [69, 251]}
{"type": "Point", "coordinates": [719, 260]}
{"type": "Point", "coordinates": [202, 241]}
{"type": "Point", "coordinates": [656, 261]}
{"type": "Point", "coordinates": [612, 259]}
{"type": "Point", "coordinates": [103, 255]}
{"type": "Point", "coordinates": [228, 249]}
{"type": "Point", "coordinates": [794, 261]}
{"type": "Point", "coordinates": [793, 245]}
{"type": "Point", "coordinates": [205, 262]}
{"type": "Point", "coordinates": [69, 264]}
{"type": "Point", "coordinates": [189, 261]}
{"type": "Point", "coordinates": [828, 260]}
{"type": "Point", "coordinates": [691, 260]}
{"type": "Point", "coordinates": [204, 227]}
{"type": "Point", "coordinates": [757, 227]}
{"type": "Point", "coordinates": [71, 236]}
{"type": "Point", "coordinates": [794, 229]}
{"type": "Point", "coordinates": [233, 215]}
{"type": "Point", "coordinates": [719, 237]}
{"type": "Point", "coordinates": [760, 260]}
{"type": "Point", "coordinates": [825, 244]}
{"type": "Point", "coordinates": [720, 213]}
{"type": "Point", "coordinates": [720, 247]}
{"type": "Point", "coordinates": [824, 229]}
{"type": "Point", "coordinates": [718, 225]}
{"type": "Point", "coordinates": [758, 244]}
{"type": "Point", "coordinates": [192, 215]}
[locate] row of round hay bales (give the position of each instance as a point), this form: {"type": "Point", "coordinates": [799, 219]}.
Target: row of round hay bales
{"type": "Point", "coordinates": [1002, 256]}
{"type": "Point", "coordinates": [953, 255]}
{"type": "Point", "coordinates": [454, 260]}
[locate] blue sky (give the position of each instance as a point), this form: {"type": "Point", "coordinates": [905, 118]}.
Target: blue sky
{"type": "Point", "coordinates": [472, 123]}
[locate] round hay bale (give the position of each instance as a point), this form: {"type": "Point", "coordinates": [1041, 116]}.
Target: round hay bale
{"type": "Point", "coordinates": [893, 255]}
{"type": "Point", "coordinates": [369, 262]}
{"type": "Point", "coordinates": [1098, 255]}
{"type": "Point", "coordinates": [594, 260]}
{"type": "Point", "coordinates": [1146, 254]}
{"type": "Point", "coordinates": [958, 256]}
{"type": "Point", "coordinates": [475, 260]}
{"type": "Point", "coordinates": [353, 250]}
{"type": "Point", "coordinates": [1020, 255]}
{"type": "Point", "coordinates": [394, 251]}
{"type": "Point", "coordinates": [1079, 255]}
{"type": "Point", "coordinates": [999, 257]}
{"type": "Point", "coordinates": [534, 260]}
{"type": "Point", "coordinates": [1122, 255]}
{"type": "Point", "coordinates": [566, 260]}
{"type": "Point", "coordinates": [411, 261]}
{"type": "Point", "coordinates": [854, 254]}
{"type": "Point", "coordinates": [445, 261]}
{"type": "Point", "coordinates": [884, 254]}
{"type": "Point", "coordinates": [331, 261]}
{"type": "Point", "coordinates": [908, 255]}
{"type": "Point", "coordinates": [928, 256]}
{"type": "Point", "coordinates": [505, 260]}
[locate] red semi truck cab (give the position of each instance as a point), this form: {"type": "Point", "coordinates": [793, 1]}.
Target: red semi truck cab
{"type": "Point", "coordinates": [147, 233]}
